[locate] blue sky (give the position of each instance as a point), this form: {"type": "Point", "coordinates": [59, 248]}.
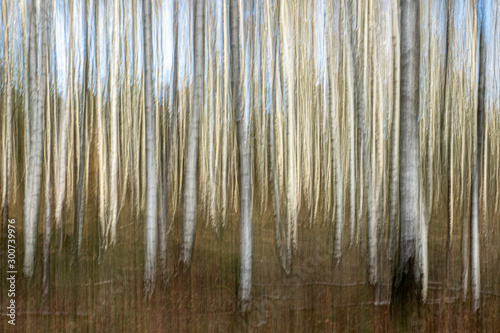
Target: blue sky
{"type": "Point", "coordinates": [59, 41]}
{"type": "Point", "coordinates": [163, 37]}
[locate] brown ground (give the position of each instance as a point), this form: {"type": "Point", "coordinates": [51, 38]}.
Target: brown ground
{"type": "Point", "coordinates": [318, 296]}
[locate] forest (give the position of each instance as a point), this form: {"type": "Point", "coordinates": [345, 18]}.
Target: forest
{"type": "Point", "coordinates": [268, 165]}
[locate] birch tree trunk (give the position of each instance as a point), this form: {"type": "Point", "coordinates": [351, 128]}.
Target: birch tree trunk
{"type": "Point", "coordinates": [409, 146]}
{"type": "Point", "coordinates": [35, 157]}
{"type": "Point", "coordinates": [151, 176]}
{"type": "Point", "coordinates": [82, 119]}
{"type": "Point", "coordinates": [26, 86]}
{"type": "Point", "coordinates": [101, 143]}
{"type": "Point", "coordinates": [173, 161]}
{"type": "Point", "coordinates": [489, 94]}
{"type": "Point", "coordinates": [50, 142]}
{"type": "Point", "coordinates": [287, 33]}
{"type": "Point", "coordinates": [280, 227]}
{"type": "Point", "coordinates": [47, 231]}
{"type": "Point", "coordinates": [162, 151]}
{"type": "Point", "coordinates": [113, 181]}
{"type": "Point", "coordinates": [334, 58]}
{"type": "Point", "coordinates": [190, 189]}
{"type": "Point", "coordinates": [477, 148]}
{"type": "Point", "coordinates": [245, 177]}
{"type": "Point", "coordinates": [63, 140]}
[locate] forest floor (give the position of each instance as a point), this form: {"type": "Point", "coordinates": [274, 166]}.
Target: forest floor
{"type": "Point", "coordinates": [321, 294]}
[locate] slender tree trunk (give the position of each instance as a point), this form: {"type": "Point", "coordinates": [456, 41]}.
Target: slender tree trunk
{"type": "Point", "coordinates": [395, 139]}
{"type": "Point", "coordinates": [365, 137]}
{"type": "Point", "coordinates": [174, 138]}
{"type": "Point", "coordinates": [477, 148]}
{"type": "Point", "coordinates": [49, 151]}
{"type": "Point", "coordinates": [101, 143]}
{"type": "Point", "coordinates": [227, 110]}
{"type": "Point", "coordinates": [151, 186]}
{"type": "Point", "coordinates": [162, 221]}
{"type": "Point", "coordinates": [48, 195]}
{"type": "Point", "coordinates": [113, 180]}
{"type": "Point", "coordinates": [350, 73]}
{"type": "Point", "coordinates": [245, 177]}
{"type": "Point", "coordinates": [26, 86]}
{"type": "Point", "coordinates": [190, 189]}
{"type": "Point", "coordinates": [335, 115]}
{"type": "Point", "coordinates": [63, 141]}
{"type": "Point", "coordinates": [162, 117]}
{"type": "Point", "coordinates": [280, 228]}
{"type": "Point", "coordinates": [409, 147]}
{"type": "Point", "coordinates": [82, 119]}
{"type": "Point", "coordinates": [35, 169]}
{"type": "Point", "coordinates": [287, 16]}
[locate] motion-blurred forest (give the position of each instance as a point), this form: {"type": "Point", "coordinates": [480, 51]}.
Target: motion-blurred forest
{"type": "Point", "coordinates": [267, 165]}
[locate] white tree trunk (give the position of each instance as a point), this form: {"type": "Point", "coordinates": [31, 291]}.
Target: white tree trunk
{"type": "Point", "coordinates": [245, 177]}
{"type": "Point", "coordinates": [82, 120]}
{"type": "Point", "coordinates": [63, 138]}
{"type": "Point", "coordinates": [190, 189]}
{"type": "Point", "coordinates": [409, 147]}
{"type": "Point", "coordinates": [35, 157]}
{"type": "Point", "coordinates": [62, 161]}
{"type": "Point", "coordinates": [280, 227]}
{"type": "Point", "coordinates": [101, 143]}
{"type": "Point", "coordinates": [351, 93]}
{"type": "Point", "coordinates": [477, 147]}
{"type": "Point", "coordinates": [335, 115]}
{"type": "Point", "coordinates": [47, 231]}
{"type": "Point", "coordinates": [151, 176]}
{"type": "Point", "coordinates": [113, 175]}
{"type": "Point", "coordinates": [287, 34]}
{"type": "Point", "coordinates": [395, 139]}
{"type": "Point", "coordinates": [26, 86]}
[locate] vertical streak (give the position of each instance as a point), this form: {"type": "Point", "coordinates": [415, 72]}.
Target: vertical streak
{"type": "Point", "coordinates": [190, 189]}
{"type": "Point", "coordinates": [113, 181]}
{"type": "Point", "coordinates": [151, 175]}
{"type": "Point", "coordinates": [409, 134]}
{"type": "Point", "coordinates": [242, 122]}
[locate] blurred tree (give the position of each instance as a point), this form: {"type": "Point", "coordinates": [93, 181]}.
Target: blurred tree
{"type": "Point", "coordinates": [34, 175]}
{"type": "Point", "coordinates": [190, 187]}
{"type": "Point", "coordinates": [245, 176]}
{"type": "Point", "coordinates": [151, 176]}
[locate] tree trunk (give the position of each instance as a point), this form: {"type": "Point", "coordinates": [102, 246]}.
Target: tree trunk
{"type": "Point", "coordinates": [190, 189]}
{"type": "Point", "coordinates": [101, 143]}
{"type": "Point", "coordinates": [335, 115]}
{"type": "Point", "coordinates": [409, 147]}
{"type": "Point", "coordinates": [477, 148]}
{"type": "Point", "coordinates": [63, 141]}
{"type": "Point", "coordinates": [26, 86]}
{"type": "Point", "coordinates": [245, 177]}
{"type": "Point", "coordinates": [113, 179]}
{"type": "Point", "coordinates": [48, 195]}
{"type": "Point", "coordinates": [287, 17]}
{"type": "Point", "coordinates": [82, 119]}
{"type": "Point", "coordinates": [173, 161]}
{"type": "Point", "coordinates": [35, 168]}
{"type": "Point", "coordinates": [280, 228]}
{"type": "Point", "coordinates": [151, 186]}
{"type": "Point", "coordinates": [162, 124]}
